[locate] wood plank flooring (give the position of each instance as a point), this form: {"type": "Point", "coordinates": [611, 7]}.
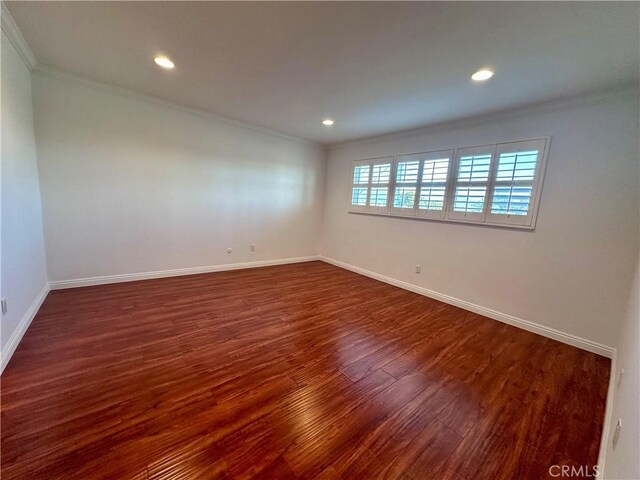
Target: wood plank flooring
{"type": "Point", "coordinates": [296, 371]}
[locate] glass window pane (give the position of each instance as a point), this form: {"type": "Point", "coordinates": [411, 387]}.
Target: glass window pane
{"type": "Point", "coordinates": [407, 172]}
{"type": "Point", "coordinates": [361, 174]}
{"type": "Point", "coordinates": [359, 196]}
{"type": "Point", "coordinates": [431, 198]}
{"type": "Point", "coordinates": [469, 199]}
{"type": "Point", "coordinates": [517, 166]}
{"type": "Point", "coordinates": [404, 197]}
{"type": "Point", "coordinates": [435, 171]}
{"type": "Point", "coordinates": [381, 173]}
{"type": "Point", "coordinates": [378, 197]}
{"type": "Point", "coordinates": [474, 168]}
{"type": "Point", "coordinates": [511, 200]}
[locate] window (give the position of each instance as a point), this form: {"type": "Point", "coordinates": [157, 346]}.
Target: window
{"type": "Point", "coordinates": [433, 184]}
{"type": "Point", "coordinates": [516, 184]}
{"type": "Point", "coordinates": [421, 184]}
{"type": "Point", "coordinates": [406, 185]}
{"type": "Point", "coordinates": [370, 186]}
{"type": "Point", "coordinates": [360, 185]}
{"type": "Point", "coordinates": [491, 184]}
{"type": "Point", "coordinates": [380, 175]}
{"type": "Point", "coordinates": [471, 182]}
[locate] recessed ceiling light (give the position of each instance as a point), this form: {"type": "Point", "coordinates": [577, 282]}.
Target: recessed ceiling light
{"type": "Point", "coordinates": [482, 75]}
{"type": "Point", "coordinates": [164, 62]}
{"type": "Point", "coordinates": [327, 122]}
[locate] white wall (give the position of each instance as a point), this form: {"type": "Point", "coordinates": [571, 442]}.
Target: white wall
{"type": "Point", "coordinates": [571, 274]}
{"type": "Point", "coordinates": [131, 185]}
{"type": "Point", "coordinates": [24, 274]}
{"type": "Point", "coordinates": [624, 461]}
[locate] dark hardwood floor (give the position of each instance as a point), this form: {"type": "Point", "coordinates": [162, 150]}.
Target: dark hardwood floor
{"type": "Point", "coordinates": [295, 371]}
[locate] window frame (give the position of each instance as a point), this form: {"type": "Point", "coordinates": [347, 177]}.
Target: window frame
{"type": "Point", "coordinates": [515, 147]}
{"type": "Point", "coordinates": [359, 208]}
{"type": "Point", "coordinates": [483, 150]}
{"type": "Point", "coordinates": [392, 190]}
{"type": "Point", "coordinates": [371, 162]}
{"type": "Point", "coordinates": [447, 214]}
{"type": "Point", "coordinates": [422, 158]}
{"type": "Point", "coordinates": [432, 156]}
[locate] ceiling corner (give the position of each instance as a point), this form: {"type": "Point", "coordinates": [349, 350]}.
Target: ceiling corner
{"type": "Point", "coordinates": [14, 34]}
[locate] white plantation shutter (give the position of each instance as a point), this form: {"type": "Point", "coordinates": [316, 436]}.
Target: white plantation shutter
{"type": "Point", "coordinates": [370, 185]}
{"type": "Point", "coordinates": [420, 187]}
{"type": "Point", "coordinates": [380, 180]}
{"type": "Point", "coordinates": [497, 184]}
{"type": "Point", "coordinates": [433, 189]}
{"type": "Point", "coordinates": [407, 171]}
{"type": "Point", "coordinates": [471, 183]}
{"type": "Point", "coordinates": [515, 182]}
{"type": "Point", "coordinates": [360, 188]}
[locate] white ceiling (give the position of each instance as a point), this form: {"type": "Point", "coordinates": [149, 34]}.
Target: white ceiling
{"type": "Point", "coordinates": [374, 67]}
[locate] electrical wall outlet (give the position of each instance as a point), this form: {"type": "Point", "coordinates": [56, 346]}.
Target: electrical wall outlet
{"type": "Point", "coordinates": [229, 250]}
{"type": "Point", "coordinates": [418, 269]}
{"type": "Point", "coordinates": [252, 247]}
{"type": "Point", "coordinates": [3, 302]}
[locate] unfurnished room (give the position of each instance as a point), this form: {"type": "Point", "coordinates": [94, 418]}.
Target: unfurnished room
{"type": "Point", "coordinates": [320, 240]}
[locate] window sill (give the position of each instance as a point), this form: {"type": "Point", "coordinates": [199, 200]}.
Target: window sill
{"type": "Point", "coordinates": [448, 220]}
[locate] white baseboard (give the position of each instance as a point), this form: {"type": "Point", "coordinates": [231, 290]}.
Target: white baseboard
{"type": "Point", "coordinates": [543, 330]}
{"type": "Point", "coordinates": [608, 416]}
{"type": "Point", "coordinates": [132, 277]}
{"type": "Point", "coordinates": [21, 329]}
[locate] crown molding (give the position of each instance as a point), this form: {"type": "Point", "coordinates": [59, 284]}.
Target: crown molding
{"type": "Point", "coordinates": [64, 75]}
{"type": "Point", "coordinates": [563, 103]}
{"type": "Point", "coordinates": [14, 35]}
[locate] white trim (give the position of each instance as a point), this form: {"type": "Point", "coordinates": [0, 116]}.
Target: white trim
{"type": "Point", "coordinates": [608, 415]}
{"type": "Point", "coordinates": [452, 183]}
{"type": "Point", "coordinates": [476, 151]}
{"type": "Point", "coordinates": [59, 74]}
{"type": "Point", "coordinates": [17, 40]}
{"type": "Point", "coordinates": [446, 220]}
{"type": "Point", "coordinates": [18, 333]}
{"type": "Point", "coordinates": [569, 339]}
{"type": "Point", "coordinates": [132, 277]}
{"type": "Point", "coordinates": [371, 163]}
{"type": "Point", "coordinates": [536, 183]}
